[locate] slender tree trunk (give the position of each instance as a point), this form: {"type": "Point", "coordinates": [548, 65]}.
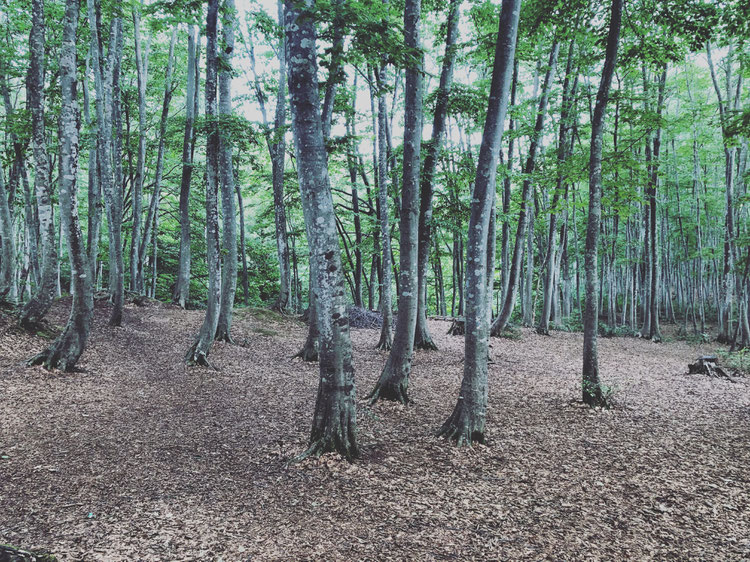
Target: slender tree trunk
{"type": "Point", "coordinates": [103, 78]}
{"type": "Point", "coordinates": [226, 174]}
{"type": "Point", "coordinates": [199, 350]}
{"type": "Point", "coordinates": [141, 65]}
{"type": "Point", "coordinates": [64, 352]}
{"type": "Point", "coordinates": [182, 285]}
{"type": "Point", "coordinates": [591, 385]}
{"type": "Point", "coordinates": [334, 421]}
{"type": "Point", "coordinates": [386, 303]}
{"type": "Point", "coordinates": [422, 338]}
{"type": "Point", "coordinates": [7, 246]}
{"type": "Point", "coordinates": [467, 422]}
{"type": "Point", "coordinates": [153, 207]}
{"type": "Point", "coordinates": [564, 150]}
{"type": "Point", "coordinates": [40, 303]}
{"type": "Point", "coordinates": [510, 295]}
{"type": "Point", "coordinates": [394, 380]}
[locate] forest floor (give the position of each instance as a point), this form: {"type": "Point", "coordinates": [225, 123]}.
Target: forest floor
{"type": "Point", "coordinates": [138, 457]}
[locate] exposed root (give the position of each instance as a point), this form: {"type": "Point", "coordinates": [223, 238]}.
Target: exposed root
{"type": "Point", "coordinates": [542, 331]}
{"type": "Point", "coordinates": [395, 391]}
{"type": "Point", "coordinates": [195, 357]}
{"type": "Point", "coordinates": [307, 353]}
{"type": "Point", "coordinates": [384, 345]}
{"type": "Point", "coordinates": [426, 344]}
{"type": "Point", "coordinates": [348, 451]}
{"type": "Point", "coordinates": [462, 430]}
{"type": "Point", "coordinates": [224, 336]}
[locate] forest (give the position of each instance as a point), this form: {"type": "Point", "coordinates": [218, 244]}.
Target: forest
{"type": "Point", "coordinates": [374, 279]}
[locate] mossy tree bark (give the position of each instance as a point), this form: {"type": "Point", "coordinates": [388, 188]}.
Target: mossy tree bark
{"type": "Point", "coordinates": [334, 421]}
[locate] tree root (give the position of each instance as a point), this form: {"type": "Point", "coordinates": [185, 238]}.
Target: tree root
{"type": "Point", "coordinates": [198, 358]}
{"type": "Point", "coordinates": [392, 391]}
{"type": "Point", "coordinates": [459, 429]}
{"type": "Point", "coordinates": [326, 445]}
{"type": "Point", "coordinates": [425, 344]}
{"type": "Point", "coordinates": [308, 353]}
{"type": "Point", "coordinates": [458, 327]}
{"type": "Point", "coordinates": [383, 345]}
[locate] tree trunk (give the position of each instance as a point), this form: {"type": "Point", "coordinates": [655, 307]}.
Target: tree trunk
{"type": "Point", "coordinates": [141, 65]}
{"type": "Point", "coordinates": [591, 385]}
{"type": "Point", "coordinates": [334, 421]}
{"type": "Point", "coordinates": [467, 422]}
{"type": "Point", "coordinates": [198, 352]}
{"type": "Point", "coordinates": [153, 207]}
{"type": "Point", "coordinates": [103, 78]}
{"type": "Point", "coordinates": [226, 173]}
{"type": "Point", "coordinates": [40, 303]}
{"type": "Point", "coordinates": [182, 285]}
{"type": "Point", "coordinates": [422, 338]}
{"type": "Point", "coordinates": [386, 303]}
{"type": "Point", "coordinates": [394, 380]}
{"type": "Point", "coordinates": [510, 295]}
{"type": "Point", "coordinates": [64, 352]}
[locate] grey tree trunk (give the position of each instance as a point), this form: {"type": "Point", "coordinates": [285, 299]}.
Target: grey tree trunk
{"type": "Point", "coordinates": [564, 150]}
{"type": "Point", "coordinates": [94, 189]}
{"type": "Point", "coordinates": [466, 424]}
{"type": "Point", "coordinates": [422, 338]}
{"type": "Point", "coordinates": [153, 208]}
{"type": "Point", "coordinates": [41, 301]}
{"type": "Point", "coordinates": [334, 421]}
{"type": "Point", "coordinates": [226, 174]}
{"type": "Point", "coordinates": [505, 232]}
{"type": "Point", "coordinates": [141, 66]}
{"type": "Point", "coordinates": [394, 380]}
{"type": "Point", "coordinates": [182, 285]}
{"type": "Point", "coordinates": [65, 351]}
{"type": "Point", "coordinates": [198, 352]}
{"type": "Point", "coordinates": [386, 300]}
{"type": "Point", "coordinates": [591, 385]}
{"type": "Point", "coordinates": [276, 143]}
{"type": "Point", "coordinates": [7, 246]}
{"type": "Point", "coordinates": [513, 276]}
{"type": "Point", "coordinates": [103, 79]}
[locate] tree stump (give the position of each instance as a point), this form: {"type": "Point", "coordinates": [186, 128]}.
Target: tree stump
{"type": "Point", "coordinates": [708, 365]}
{"type": "Point", "coordinates": [458, 327]}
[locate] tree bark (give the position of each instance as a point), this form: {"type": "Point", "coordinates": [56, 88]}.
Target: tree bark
{"type": "Point", "coordinates": [141, 65]}
{"type": "Point", "coordinates": [394, 380]}
{"type": "Point", "coordinates": [182, 285]}
{"type": "Point", "coordinates": [466, 424]}
{"type": "Point", "coordinates": [422, 338]}
{"type": "Point", "coordinates": [103, 78]}
{"type": "Point", "coordinates": [334, 421]}
{"type": "Point", "coordinates": [226, 173]}
{"type": "Point", "coordinates": [41, 301]}
{"type": "Point", "coordinates": [510, 295]}
{"type": "Point", "coordinates": [198, 352]}
{"type": "Point", "coordinates": [65, 351]}
{"type": "Point", "coordinates": [591, 385]}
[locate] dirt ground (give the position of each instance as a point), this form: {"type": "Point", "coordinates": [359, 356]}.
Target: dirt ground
{"type": "Point", "coordinates": [137, 457]}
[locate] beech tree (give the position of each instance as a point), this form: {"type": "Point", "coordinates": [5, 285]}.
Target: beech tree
{"type": "Point", "coordinates": [65, 351]}
{"type": "Point", "coordinates": [335, 420]}
{"type": "Point", "coordinates": [467, 422]}
{"type": "Point", "coordinates": [592, 390]}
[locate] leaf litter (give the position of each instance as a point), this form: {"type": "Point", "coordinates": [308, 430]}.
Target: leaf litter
{"type": "Point", "coordinates": [136, 456]}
